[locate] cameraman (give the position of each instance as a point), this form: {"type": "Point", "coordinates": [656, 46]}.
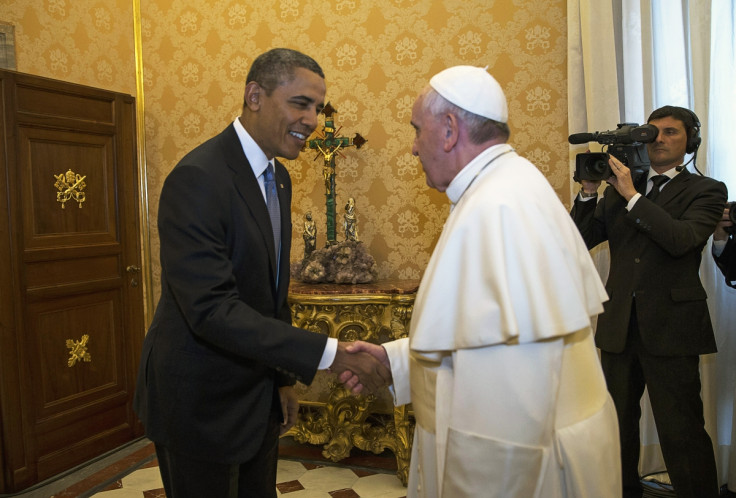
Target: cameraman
{"type": "Point", "coordinates": [724, 248]}
{"type": "Point", "coordinates": [656, 322]}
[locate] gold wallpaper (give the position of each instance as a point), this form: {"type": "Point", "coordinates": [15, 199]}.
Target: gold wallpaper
{"type": "Point", "coordinates": [89, 42]}
{"type": "Point", "coordinates": [377, 54]}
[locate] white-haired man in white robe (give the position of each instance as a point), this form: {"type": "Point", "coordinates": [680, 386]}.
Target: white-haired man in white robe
{"type": "Point", "coordinates": [500, 364]}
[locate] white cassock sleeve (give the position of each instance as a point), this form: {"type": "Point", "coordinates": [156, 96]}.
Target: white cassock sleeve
{"type": "Point", "coordinates": [398, 356]}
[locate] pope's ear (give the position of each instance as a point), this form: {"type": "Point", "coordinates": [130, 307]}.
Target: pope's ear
{"type": "Point", "coordinates": [252, 98]}
{"type": "Point", "coordinates": [452, 131]}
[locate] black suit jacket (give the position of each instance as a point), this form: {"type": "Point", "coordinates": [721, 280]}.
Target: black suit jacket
{"type": "Point", "coordinates": [221, 340]}
{"type": "Point", "coordinates": [726, 262]}
{"type": "Point", "coordinates": [656, 251]}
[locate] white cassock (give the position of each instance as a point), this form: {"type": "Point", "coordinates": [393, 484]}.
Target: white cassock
{"type": "Point", "coordinates": [500, 363]}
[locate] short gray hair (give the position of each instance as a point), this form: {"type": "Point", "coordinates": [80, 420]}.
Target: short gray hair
{"type": "Point", "coordinates": [481, 129]}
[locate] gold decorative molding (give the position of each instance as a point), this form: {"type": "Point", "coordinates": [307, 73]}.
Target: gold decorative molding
{"type": "Point", "coordinates": [142, 164]}
{"type": "Point", "coordinates": [70, 185]}
{"type": "Point", "coordinates": [400, 318]}
{"type": "Point", "coordinates": [78, 351]}
{"type": "Point", "coordinates": [344, 420]}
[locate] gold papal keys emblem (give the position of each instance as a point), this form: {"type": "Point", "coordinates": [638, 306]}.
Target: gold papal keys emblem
{"type": "Point", "coordinates": [70, 186]}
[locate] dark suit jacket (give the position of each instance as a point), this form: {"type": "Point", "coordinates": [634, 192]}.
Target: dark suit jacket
{"type": "Point", "coordinates": [726, 262]}
{"type": "Point", "coordinates": [656, 250]}
{"type": "Point", "coordinates": [221, 338]}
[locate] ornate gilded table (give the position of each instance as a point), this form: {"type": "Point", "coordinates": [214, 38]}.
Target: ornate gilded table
{"type": "Point", "coordinates": [329, 414]}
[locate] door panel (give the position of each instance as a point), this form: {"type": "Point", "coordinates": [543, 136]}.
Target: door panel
{"type": "Point", "coordinates": [44, 156]}
{"type": "Point", "coordinates": [72, 335]}
{"type": "Point", "coordinates": [75, 340]}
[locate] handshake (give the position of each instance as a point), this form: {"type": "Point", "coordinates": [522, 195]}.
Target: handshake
{"type": "Point", "coordinates": [361, 365]}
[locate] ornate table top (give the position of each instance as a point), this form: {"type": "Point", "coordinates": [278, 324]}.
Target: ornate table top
{"type": "Point", "coordinates": [388, 286]}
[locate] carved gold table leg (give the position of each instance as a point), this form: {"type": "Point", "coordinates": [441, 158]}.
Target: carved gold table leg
{"type": "Point", "coordinates": [404, 436]}
{"type": "Point", "coordinates": [346, 421]}
{"type": "Point", "coordinates": [346, 416]}
{"type": "Point", "coordinates": [342, 421]}
{"type": "Point", "coordinates": [312, 426]}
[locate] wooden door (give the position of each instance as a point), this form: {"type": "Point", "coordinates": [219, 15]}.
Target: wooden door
{"type": "Point", "coordinates": [71, 321]}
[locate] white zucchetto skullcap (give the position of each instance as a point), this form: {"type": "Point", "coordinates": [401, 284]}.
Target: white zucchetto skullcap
{"type": "Point", "coordinates": [473, 89]}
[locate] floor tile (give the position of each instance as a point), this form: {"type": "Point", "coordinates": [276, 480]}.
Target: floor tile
{"type": "Point", "coordinates": [136, 475]}
{"type": "Point", "coordinates": [289, 470]}
{"type": "Point", "coordinates": [143, 479]}
{"type": "Point", "coordinates": [120, 493]}
{"type": "Point", "coordinates": [289, 487]}
{"type": "Point", "coordinates": [380, 486]}
{"type": "Point", "coordinates": [328, 479]}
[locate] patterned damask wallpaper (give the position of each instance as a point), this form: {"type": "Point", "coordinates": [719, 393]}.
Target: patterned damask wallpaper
{"type": "Point", "coordinates": [377, 54]}
{"type": "Point", "coordinates": [83, 41]}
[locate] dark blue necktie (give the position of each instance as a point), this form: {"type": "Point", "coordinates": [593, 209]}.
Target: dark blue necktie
{"type": "Point", "coordinates": [657, 182]}
{"type": "Point", "coordinates": [272, 202]}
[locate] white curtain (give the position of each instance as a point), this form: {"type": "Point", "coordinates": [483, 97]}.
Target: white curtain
{"type": "Point", "coordinates": [720, 49]}
{"type": "Point", "coordinates": [625, 59]}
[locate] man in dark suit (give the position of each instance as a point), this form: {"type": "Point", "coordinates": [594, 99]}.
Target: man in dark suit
{"type": "Point", "coordinates": [214, 386]}
{"type": "Point", "coordinates": [724, 247]}
{"type": "Point", "coordinates": [656, 322]}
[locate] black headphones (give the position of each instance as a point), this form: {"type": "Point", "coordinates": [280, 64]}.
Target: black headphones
{"type": "Point", "coordinates": [693, 138]}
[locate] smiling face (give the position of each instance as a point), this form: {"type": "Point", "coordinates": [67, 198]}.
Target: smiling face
{"type": "Point", "coordinates": [668, 150]}
{"type": "Point", "coordinates": [281, 122]}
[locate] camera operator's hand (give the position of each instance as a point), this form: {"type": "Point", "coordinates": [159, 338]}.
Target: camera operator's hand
{"type": "Point", "coordinates": [721, 233]}
{"type": "Point", "coordinates": [621, 179]}
{"type": "Point", "coordinates": [590, 186]}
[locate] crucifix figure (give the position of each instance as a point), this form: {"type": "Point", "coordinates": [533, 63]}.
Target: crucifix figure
{"type": "Point", "coordinates": [327, 147]}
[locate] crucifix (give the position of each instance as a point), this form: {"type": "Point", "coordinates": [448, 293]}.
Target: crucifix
{"type": "Point", "coordinates": [328, 146]}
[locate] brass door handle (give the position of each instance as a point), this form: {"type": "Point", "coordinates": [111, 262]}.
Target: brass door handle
{"type": "Point", "coordinates": [133, 269]}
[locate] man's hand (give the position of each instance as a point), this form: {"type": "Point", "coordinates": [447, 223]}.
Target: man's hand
{"type": "Point", "coordinates": [350, 380]}
{"type": "Point", "coordinates": [621, 179]}
{"type": "Point", "coordinates": [289, 407]}
{"type": "Point", "coordinates": [371, 373]}
{"type": "Point", "coordinates": [721, 233]}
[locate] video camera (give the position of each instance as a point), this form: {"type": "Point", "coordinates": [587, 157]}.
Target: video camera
{"type": "Point", "coordinates": [626, 143]}
{"type": "Point", "coordinates": [731, 217]}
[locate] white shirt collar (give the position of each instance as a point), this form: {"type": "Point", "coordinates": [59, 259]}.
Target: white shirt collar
{"type": "Point", "coordinates": [465, 177]}
{"type": "Point", "coordinates": [671, 173]}
{"type": "Point", "coordinates": [256, 157]}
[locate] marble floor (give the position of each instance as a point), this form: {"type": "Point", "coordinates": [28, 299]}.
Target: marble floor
{"type": "Point", "coordinates": [132, 472]}
{"type": "Point", "coordinates": [294, 480]}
